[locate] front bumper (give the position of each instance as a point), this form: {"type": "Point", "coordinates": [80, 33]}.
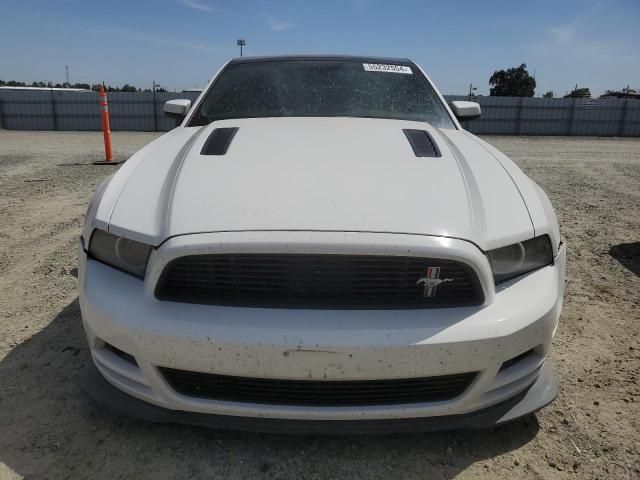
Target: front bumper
{"type": "Point", "coordinates": [521, 316]}
{"type": "Point", "coordinates": [542, 392]}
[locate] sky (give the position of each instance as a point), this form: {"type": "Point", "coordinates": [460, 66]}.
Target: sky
{"type": "Point", "coordinates": [182, 43]}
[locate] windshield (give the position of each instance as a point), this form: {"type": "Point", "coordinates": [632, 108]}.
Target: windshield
{"type": "Point", "coordinates": [321, 88]}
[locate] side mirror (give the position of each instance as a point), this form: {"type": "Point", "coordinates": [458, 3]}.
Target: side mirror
{"type": "Point", "coordinates": [465, 110]}
{"type": "Point", "coordinates": [177, 109]}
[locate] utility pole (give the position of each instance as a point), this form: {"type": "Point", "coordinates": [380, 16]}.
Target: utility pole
{"type": "Point", "coordinates": [241, 43]}
{"type": "Point", "coordinates": [471, 90]}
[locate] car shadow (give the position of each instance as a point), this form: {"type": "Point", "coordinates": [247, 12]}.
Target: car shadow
{"type": "Point", "coordinates": [628, 254]}
{"type": "Point", "coordinates": [50, 430]}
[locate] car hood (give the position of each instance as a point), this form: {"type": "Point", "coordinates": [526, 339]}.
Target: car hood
{"type": "Point", "coordinates": [322, 174]}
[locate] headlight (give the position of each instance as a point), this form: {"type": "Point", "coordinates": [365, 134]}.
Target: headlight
{"type": "Point", "coordinates": [121, 253]}
{"type": "Point", "coordinates": [520, 258]}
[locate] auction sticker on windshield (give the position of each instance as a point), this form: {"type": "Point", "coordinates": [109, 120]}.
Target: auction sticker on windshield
{"type": "Point", "coordinates": [381, 67]}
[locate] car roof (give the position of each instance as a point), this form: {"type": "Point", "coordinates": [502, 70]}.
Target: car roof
{"type": "Point", "coordinates": [350, 58]}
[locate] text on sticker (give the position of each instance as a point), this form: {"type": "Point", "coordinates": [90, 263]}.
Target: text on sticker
{"type": "Point", "coordinates": [381, 67]}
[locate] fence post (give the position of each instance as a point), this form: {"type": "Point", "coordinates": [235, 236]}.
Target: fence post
{"type": "Point", "coordinates": [1, 112]}
{"type": "Point", "coordinates": [623, 117]}
{"type": "Point", "coordinates": [155, 116]}
{"type": "Point", "coordinates": [573, 112]}
{"type": "Point", "coordinates": [519, 116]}
{"type": "Point", "coordinates": [155, 110]}
{"type": "Point", "coordinates": [53, 110]}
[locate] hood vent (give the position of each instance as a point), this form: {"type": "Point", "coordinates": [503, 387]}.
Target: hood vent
{"type": "Point", "coordinates": [422, 143]}
{"type": "Point", "coordinates": [218, 141]}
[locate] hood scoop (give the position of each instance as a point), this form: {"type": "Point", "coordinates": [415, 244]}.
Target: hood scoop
{"type": "Point", "coordinates": [218, 141]}
{"type": "Point", "coordinates": [422, 143]}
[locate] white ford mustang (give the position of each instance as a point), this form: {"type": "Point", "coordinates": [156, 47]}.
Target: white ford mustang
{"type": "Point", "coordinates": [320, 247]}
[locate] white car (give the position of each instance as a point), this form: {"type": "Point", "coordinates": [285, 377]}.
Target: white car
{"type": "Point", "coordinates": [321, 247]}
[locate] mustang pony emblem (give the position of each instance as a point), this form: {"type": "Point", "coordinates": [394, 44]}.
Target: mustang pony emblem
{"type": "Point", "coordinates": [431, 281]}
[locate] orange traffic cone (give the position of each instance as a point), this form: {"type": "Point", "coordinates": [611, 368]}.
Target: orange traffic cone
{"type": "Point", "coordinates": [106, 130]}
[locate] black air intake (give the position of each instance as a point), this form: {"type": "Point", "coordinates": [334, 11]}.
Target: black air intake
{"type": "Point", "coordinates": [422, 143]}
{"type": "Point", "coordinates": [123, 355]}
{"type": "Point", "coordinates": [218, 141]}
{"type": "Point", "coordinates": [318, 393]}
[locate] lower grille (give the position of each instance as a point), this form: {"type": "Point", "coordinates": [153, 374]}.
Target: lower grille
{"type": "Point", "coordinates": [317, 393]}
{"type": "Point", "coordinates": [318, 281]}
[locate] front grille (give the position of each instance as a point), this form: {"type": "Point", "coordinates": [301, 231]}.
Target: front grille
{"type": "Point", "coordinates": [317, 393]}
{"type": "Point", "coordinates": [316, 281]}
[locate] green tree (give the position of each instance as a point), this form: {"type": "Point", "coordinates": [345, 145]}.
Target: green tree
{"type": "Point", "coordinates": [583, 92]}
{"type": "Point", "coordinates": [548, 94]}
{"type": "Point", "coordinates": [622, 93]}
{"type": "Point", "coordinates": [513, 82]}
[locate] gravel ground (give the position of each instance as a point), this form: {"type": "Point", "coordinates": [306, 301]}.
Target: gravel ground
{"type": "Point", "coordinates": [49, 430]}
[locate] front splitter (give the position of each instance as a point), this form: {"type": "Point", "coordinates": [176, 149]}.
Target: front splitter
{"type": "Point", "coordinates": [542, 392]}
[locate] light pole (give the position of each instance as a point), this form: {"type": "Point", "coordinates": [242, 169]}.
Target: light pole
{"type": "Point", "coordinates": [241, 43]}
{"type": "Point", "coordinates": [471, 89]}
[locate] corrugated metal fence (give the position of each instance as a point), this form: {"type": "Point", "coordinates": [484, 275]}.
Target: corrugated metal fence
{"type": "Point", "coordinates": [142, 111]}
{"type": "Point", "coordinates": [58, 110]}
{"type": "Point", "coordinates": [556, 116]}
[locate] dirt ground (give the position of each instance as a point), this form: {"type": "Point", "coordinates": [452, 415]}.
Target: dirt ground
{"type": "Point", "coordinates": [49, 430]}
